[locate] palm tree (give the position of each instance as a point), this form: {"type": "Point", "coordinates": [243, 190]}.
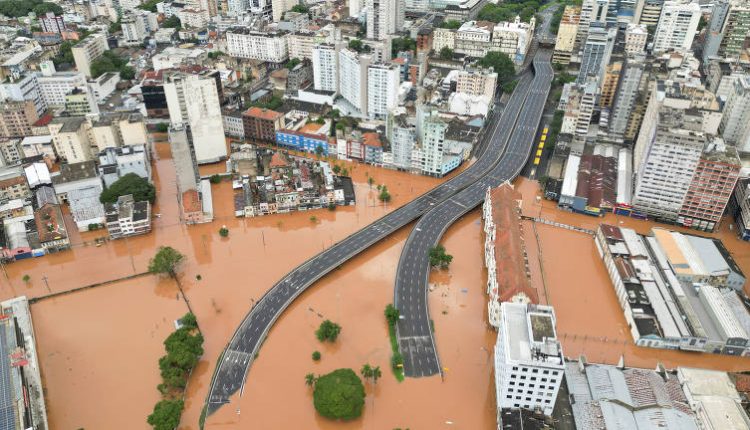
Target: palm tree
{"type": "Point", "coordinates": [366, 371]}
{"type": "Point", "coordinates": [310, 379]}
{"type": "Point", "coordinates": [376, 374]}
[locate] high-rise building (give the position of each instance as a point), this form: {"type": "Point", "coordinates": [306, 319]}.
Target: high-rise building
{"type": "Point", "coordinates": [621, 11]}
{"type": "Point", "coordinates": [325, 61]}
{"type": "Point", "coordinates": [711, 188]}
{"type": "Point", "coordinates": [193, 197]}
{"type": "Point", "coordinates": [268, 46]}
{"type": "Point", "coordinates": [16, 118]}
{"type": "Point", "coordinates": [736, 29]}
{"type": "Point", "coordinates": [353, 78]}
{"type": "Point", "coordinates": [88, 50]}
{"type": "Point", "coordinates": [477, 82]}
{"type": "Point", "coordinates": [431, 160]}
{"type": "Point", "coordinates": [51, 23]}
{"type": "Point", "coordinates": [677, 25]}
{"type": "Point", "coordinates": [649, 12]}
{"type": "Point", "coordinates": [735, 120]}
{"type": "Point", "coordinates": [25, 87]}
{"type": "Point", "coordinates": [596, 52]}
{"type": "Point", "coordinates": [54, 87]}
{"type": "Point", "coordinates": [636, 36]}
{"type": "Point", "coordinates": [668, 154]}
{"type": "Point", "coordinates": [627, 94]}
{"type": "Point", "coordinates": [193, 101]}
{"type": "Point", "coordinates": [592, 12]}
{"type": "Point", "coordinates": [610, 81]}
{"type": "Point", "coordinates": [402, 137]}
{"type": "Point", "coordinates": [384, 17]}
{"type": "Point", "coordinates": [715, 29]}
{"type": "Point", "coordinates": [566, 34]}
{"type": "Point", "coordinates": [383, 81]}
{"type": "Point", "coordinates": [529, 364]}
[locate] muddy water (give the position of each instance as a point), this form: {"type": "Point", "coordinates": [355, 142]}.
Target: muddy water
{"type": "Point", "coordinates": [589, 319]}
{"type": "Point", "coordinates": [234, 271]}
{"type": "Point", "coordinates": [355, 296]}
{"type": "Point", "coordinates": [99, 350]}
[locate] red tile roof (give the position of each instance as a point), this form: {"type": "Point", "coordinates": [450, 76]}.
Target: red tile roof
{"type": "Point", "coordinates": [266, 114]}
{"type": "Point", "coordinates": [191, 202]}
{"type": "Point", "coordinates": [372, 139]}
{"type": "Point", "coordinates": [278, 160]}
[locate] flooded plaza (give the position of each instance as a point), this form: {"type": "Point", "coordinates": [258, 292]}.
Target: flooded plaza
{"type": "Point", "coordinates": [99, 348]}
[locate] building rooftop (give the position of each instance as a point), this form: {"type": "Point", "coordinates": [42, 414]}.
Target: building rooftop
{"type": "Point", "coordinates": [265, 114]}
{"type": "Point", "coordinates": [530, 335]}
{"type": "Point", "coordinates": [70, 124]}
{"type": "Point", "coordinates": [76, 172]}
{"type": "Point", "coordinates": [49, 223]}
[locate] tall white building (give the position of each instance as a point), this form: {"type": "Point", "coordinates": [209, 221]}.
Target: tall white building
{"type": "Point", "coordinates": [325, 61]}
{"type": "Point", "coordinates": [735, 121]}
{"type": "Point", "coordinates": [194, 101]}
{"type": "Point", "coordinates": [353, 78]}
{"type": "Point", "coordinates": [677, 25]}
{"type": "Point", "coordinates": [268, 46]}
{"type": "Point", "coordinates": [54, 87]}
{"type": "Point", "coordinates": [529, 364]}
{"type": "Point", "coordinates": [432, 151]}
{"type": "Point", "coordinates": [667, 154]}
{"type": "Point", "coordinates": [88, 50]}
{"type": "Point", "coordinates": [383, 81]}
{"type": "Point", "coordinates": [402, 137]}
{"type": "Point", "coordinates": [384, 17]}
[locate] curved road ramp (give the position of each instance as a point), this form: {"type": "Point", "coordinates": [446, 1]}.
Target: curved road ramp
{"type": "Point", "coordinates": [229, 376]}
{"type": "Point", "coordinates": [414, 329]}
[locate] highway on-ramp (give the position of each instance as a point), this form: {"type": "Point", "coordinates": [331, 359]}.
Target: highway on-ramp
{"type": "Point", "coordinates": [229, 376]}
{"type": "Point", "coordinates": [414, 328]}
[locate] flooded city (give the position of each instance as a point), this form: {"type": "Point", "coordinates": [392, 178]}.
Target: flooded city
{"type": "Point", "coordinates": [108, 339]}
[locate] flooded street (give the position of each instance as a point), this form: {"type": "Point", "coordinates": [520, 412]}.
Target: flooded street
{"type": "Point", "coordinates": [99, 348]}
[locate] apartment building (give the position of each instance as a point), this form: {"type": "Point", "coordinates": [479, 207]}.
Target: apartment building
{"type": "Point", "coordinates": [597, 50]}
{"type": "Point", "coordinates": [609, 83]}
{"type": "Point", "coordinates": [325, 62]}
{"type": "Point", "coordinates": [353, 72]}
{"type": "Point", "coordinates": [403, 137]}
{"type": "Point", "coordinates": [649, 12]}
{"type": "Point", "coordinates": [677, 25]}
{"type": "Point", "coordinates": [193, 196]}
{"type": "Point", "coordinates": [16, 118]}
{"type": "Point", "coordinates": [54, 86]}
{"type": "Point", "coordinates": [669, 156]}
{"type": "Point", "coordinates": [128, 217]}
{"type": "Point", "coordinates": [627, 94]}
{"type": "Point", "coordinates": [114, 163]}
{"type": "Point", "coordinates": [513, 38]}
{"type": "Point", "coordinates": [566, 34]}
{"type": "Point", "coordinates": [13, 184]}
{"type": "Point", "coordinates": [636, 36]}
{"type": "Point", "coordinates": [385, 17]}
{"type": "Point", "coordinates": [52, 23]}
{"type": "Point", "coordinates": [88, 50]}
{"type": "Point", "coordinates": [268, 46]}
{"type": "Point", "coordinates": [529, 363]}
{"type": "Point", "coordinates": [71, 138]}
{"type": "Point", "coordinates": [711, 188]}
{"type": "Point", "coordinates": [25, 87]}
{"type": "Point", "coordinates": [261, 124]}
{"type": "Point", "coordinates": [735, 120]}
{"type": "Point", "coordinates": [383, 81]}
{"type": "Point", "coordinates": [194, 100]}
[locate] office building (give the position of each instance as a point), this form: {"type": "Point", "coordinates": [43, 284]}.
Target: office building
{"type": "Point", "coordinates": [627, 94]}
{"type": "Point", "coordinates": [268, 46]}
{"type": "Point", "coordinates": [677, 25]}
{"type": "Point", "coordinates": [193, 100]}
{"type": "Point", "coordinates": [596, 52]}
{"type": "Point", "coordinates": [529, 363]}
{"type": "Point", "coordinates": [609, 83]}
{"type": "Point", "coordinates": [593, 13]}
{"type": "Point", "coordinates": [88, 50]}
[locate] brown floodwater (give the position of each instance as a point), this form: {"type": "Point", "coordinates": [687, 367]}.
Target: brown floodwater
{"type": "Point", "coordinates": [99, 348]}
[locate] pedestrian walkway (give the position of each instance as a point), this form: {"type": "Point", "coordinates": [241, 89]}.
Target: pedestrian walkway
{"type": "Point", "coordinates": [558, 224]}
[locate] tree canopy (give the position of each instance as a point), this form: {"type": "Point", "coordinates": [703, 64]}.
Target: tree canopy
{"type": "Point", "coordinates": [446, 53]}
{"type": "Point", "coordinates": [300, 8]}
{"type": "Point", "coordinates": [150, 5]}
{"type": "Point", "coordinates": [166, 415]}
{"type": "Point", "coordinates": [439, 258]}
{"type": "Point", "coordinates": [401, 44]}
{"type": "Point", "coordinates": [172, 22]}
{"type": "Point", "coordinates": [328, 330]}
{"type": "Point", "coordinates": [451, 24]}
{"type": "Point", "coordinates": [140, 188]}
{"type": "Point", "coordinates": [165, 261]}
{"type": "Point", "coordinates": [339, 395]}
{"type": "Point", "coordinates": [18, 8]}
{"type": "Point", "coordinates": [507, 11]}
{"type": "Point", "coordinates": [108, 62]}
{"type": "Point", "coordinates": [501, 63]}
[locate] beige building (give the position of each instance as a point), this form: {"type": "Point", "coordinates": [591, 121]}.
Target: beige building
{"type": "Point", "coordinates": [566, 34]}
{"type": "Point", "coordinates": [85, 52]}
{"type": "Point", "coordinates": [16, 118]}
{"type": "Point", "coordinates": [610, 81]}
{"type": "Point", "coordinates": [71, 138]}
{"type": "Point", "coordinates": [635, 38]}
{"type": "Point", "coordinates": [443, 38]}
{"type": "Point", "coordinates": [118, 129]}
{"type": "Point", "coordinates": [477, 82]}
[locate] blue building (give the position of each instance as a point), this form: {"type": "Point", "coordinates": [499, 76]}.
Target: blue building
{"type": "Point", "coordinates": [302, 141]}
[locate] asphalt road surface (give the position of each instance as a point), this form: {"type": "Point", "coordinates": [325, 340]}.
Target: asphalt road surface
{"type": "Point", "coordinates": [414, 329]}
{"type": "Point", "coordinates": [234, 363]}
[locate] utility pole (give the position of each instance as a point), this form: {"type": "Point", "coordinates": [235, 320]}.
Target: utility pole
{"type": "Point", "coordinates": [44, 278]}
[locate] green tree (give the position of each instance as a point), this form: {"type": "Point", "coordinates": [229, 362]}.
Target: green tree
{"type": "Point", "coordinates": [223, 232]}
{"type": "Point", "coordinates": [300, 8]}
{"type": "Point", "coordinates": [384, 195]}
{"type": "Point", "coordinates": [339, 395]}
{"type": "Point", "coordinates": [356, 45]}
{"type": "Point", "coordinates": [166, 261]}
{"type": "Point", "coordinates": [162, 127]}
{"type": "Point", "coordinates": [131, 183]}
{"type": "Point", "coordinates": [166, 415]}
{"type": "Point", "coordinates": [336, 169]}
{"type": "Point", "coordinates": [439, 258]}
{"type": "Point", "coordinates": [370, 181]}
{"type": "Point", "coordinates": [451, 24]}
{"type": "Point", "coordinates": [189, 321]}
{"type": "Point", "coordinates": [331, 207]}
{"type": "Point", "coordinates": [214, 179]}
{"type": "Point", "coordinates": [366, 371]}
{"type": "Point", "coordinates": [127, 73]}
{"type": "Point", "coordinates": [376, 374]}
{"type": "Point", "coordinates": [319, 150]}
{"type": "Point", "coordinates": [401, 44]}
{"type": "Point", "coordinates": [316, 355]}
{"type": "Point", "coordinates": [310, 379]}
{"type": "Point", "coordinates": [115, 27]}
{"type": "Point", "coordinates": [172, 22]}
{"type": "Point", "coordinates": [502, 65]}
{"type": "Point", "coordinates": [446, 53]}
{"type": "Point", "coordinates": [292, 63]}
{"type": "Point", "coordinates": [328, 331]}
{"type": "Point", "coordinates": [150, 5]}
{"type": "Point", "coordinates": [26, 279]}
{"type": "Point", "coordinates": [391, 314]}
